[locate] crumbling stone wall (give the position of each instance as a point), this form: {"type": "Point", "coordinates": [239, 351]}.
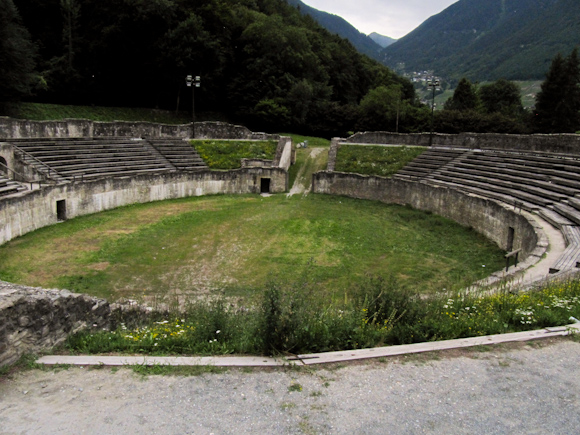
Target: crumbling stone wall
{"type": "Point", "coordinates": [223, 130]}
{"type": "Point", "coordinates": [23, 128]}
{"type": "Point", "coordinates": [36, 209]}
{"type": "Point", "coordinates": [36, 319]}
{"type": "Point", "coordinates": [556, 143]}
{"type": "Point", "coordinates": [11, 128]}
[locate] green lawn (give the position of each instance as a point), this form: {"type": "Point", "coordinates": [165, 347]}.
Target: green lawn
{"type": "Point", "coordinates": [234, 245]}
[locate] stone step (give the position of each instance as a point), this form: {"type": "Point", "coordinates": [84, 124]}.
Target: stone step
{"type": "Point", "coordinates": [503, 182]}
{"type": "Point", "coordinates": [113, 168]}
{"type": "Point", "coordinates": [554, 218]}
{"type": "Point", "coordinates": [487, 194]}
{"type": "Point", "coordinates": [507, 191]}
{"type": "Point", "coordinates": [568, 212]}
{"type": "Point", "coordinates": [523, 179]}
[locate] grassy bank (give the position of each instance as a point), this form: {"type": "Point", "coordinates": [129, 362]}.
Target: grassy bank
{"type": "Point", "coordinates": [312, 141]}
{"type": "Point", "coordinates": [381, 312]}
{"type": "Point", "coordinates": [46, 112]}
{"type": "Point", "coordinates": [225, 154]}
{"type": "Point", "coordinates": [375, 160]}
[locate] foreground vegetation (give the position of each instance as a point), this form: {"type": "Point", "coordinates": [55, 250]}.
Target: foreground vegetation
{"type": "Point", "coordinates": [203, 247]}
{"type": "Point", "coordinates": [381, 312]}
{"type": "Point", "coordinates": [375, 160]}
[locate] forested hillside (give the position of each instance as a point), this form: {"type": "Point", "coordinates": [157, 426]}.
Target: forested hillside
{"type": "Point", "coordinates": [491, 39]}
{"type": "Point", "coordinates": [261, 62]}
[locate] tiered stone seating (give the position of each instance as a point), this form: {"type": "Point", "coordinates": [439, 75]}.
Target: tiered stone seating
{"type": "Point", "coordinates": [63, 159]}
{"type": "Point", "coordinates": [544, 183]}
{"type": "Point", "coordinates": [180, 153]}
{"type": "Point", "coordinates": [571, 256]}
{"type": "Point", "coordinates": [9, 187]}
{"type": "Point", "coordinates": [429, 161]}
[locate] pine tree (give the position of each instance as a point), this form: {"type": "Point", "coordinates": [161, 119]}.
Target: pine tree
{"type": "Point", "coordinates": [464, 98]}
{"type": "Point", "coordinates": [16, 55]}
{"type": "Point", "coordinates": [558, 103]}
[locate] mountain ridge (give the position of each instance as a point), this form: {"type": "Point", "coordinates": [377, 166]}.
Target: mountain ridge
{"type": "Point", "coordinates": [382, 40]}
{"type": "Point", "coordinates": [336, 24]}
{"type": "Point", "coordinates": [512, 39]}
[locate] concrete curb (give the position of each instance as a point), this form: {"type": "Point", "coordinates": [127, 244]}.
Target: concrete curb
{"type": "Point", "coordinates": [310, 359]}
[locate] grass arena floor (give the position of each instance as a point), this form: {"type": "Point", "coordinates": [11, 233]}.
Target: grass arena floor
{"type": "Point", "coordinates": [233, 245]}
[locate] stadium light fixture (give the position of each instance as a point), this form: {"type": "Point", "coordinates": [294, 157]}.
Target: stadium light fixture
{"type": "Point", "coordinates": [193, 82]}
{"type": "Point", "coordinates": [434, 83]}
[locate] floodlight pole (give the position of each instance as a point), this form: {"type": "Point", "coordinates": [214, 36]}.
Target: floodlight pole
{"type": "Point", "coordinates": [432, 84]}
{"type": "Point", "coordinates": [193, 83]}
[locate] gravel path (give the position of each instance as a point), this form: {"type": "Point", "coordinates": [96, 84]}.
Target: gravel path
{"type": "Point", "coordinates": [518, 388]}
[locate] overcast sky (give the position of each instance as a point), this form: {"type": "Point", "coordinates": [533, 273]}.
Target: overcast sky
{"type": "Point", "coordinates": [394, 18]}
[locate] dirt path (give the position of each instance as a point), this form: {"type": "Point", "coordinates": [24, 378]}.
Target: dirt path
{"type": "Point", "coordinates": [518, 388]}
{"type": "Point", "coordinates": [303, 181]}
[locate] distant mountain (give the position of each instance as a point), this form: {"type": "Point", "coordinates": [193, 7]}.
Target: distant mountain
{"type": "Point", "coordinates": [383, 41]}
{"type": "Point", "coordinates": [491, 39]}
{"type": "Point", "coordinates": [338, 25]}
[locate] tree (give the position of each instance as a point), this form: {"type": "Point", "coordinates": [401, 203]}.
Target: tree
{"type": "Point", "coordinates": [558, 103]}
{"type": "Point", "coordinates": [384, 108]}
{"type": "Point", "coordinates": [17, 53]}
{"type": "Point", "coordinates": [502, 97]}
{"type": "Point", "coordinates": [464, 98]}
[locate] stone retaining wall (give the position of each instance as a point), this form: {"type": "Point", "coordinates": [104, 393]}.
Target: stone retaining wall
{"type": "Point", "coordinates": [36, 209]}
{"type": "Point", "coordinates": [36, 319]}
{"type": "Point", "coordinates": [223, 130]}
{"type": "Point", "coordinates": [23, 128]}
{"type": "Point", "coordinates": [555, 143]}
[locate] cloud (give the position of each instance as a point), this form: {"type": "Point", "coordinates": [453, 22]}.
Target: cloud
{"type": "Point", "coordinates": [394, 18]}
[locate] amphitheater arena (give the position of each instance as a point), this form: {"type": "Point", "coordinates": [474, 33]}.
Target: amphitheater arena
{"type": "Point", "coordinates": [510, 188]}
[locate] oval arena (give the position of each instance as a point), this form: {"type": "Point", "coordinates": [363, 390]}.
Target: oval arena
{"type": "Point", "coordinates": [512, 189]}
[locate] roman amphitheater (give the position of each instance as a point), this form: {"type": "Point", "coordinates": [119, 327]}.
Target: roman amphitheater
{"type": "Point", "coordinates": [521, 192]}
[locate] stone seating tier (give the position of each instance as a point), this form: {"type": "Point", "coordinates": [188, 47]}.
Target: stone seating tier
{"type": "Point", "coordinates": [180, 153]}
{"type": "Point", "coordinates": [522, 177]}
{"type": "Point", "coordinates": [544, 190]}
{"type": "Point", "coordinates": [93, 157]}
{"type": "Point", "coordinates": [543, 183]}
{"type": "Point", "coordinates": [9, 187]}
